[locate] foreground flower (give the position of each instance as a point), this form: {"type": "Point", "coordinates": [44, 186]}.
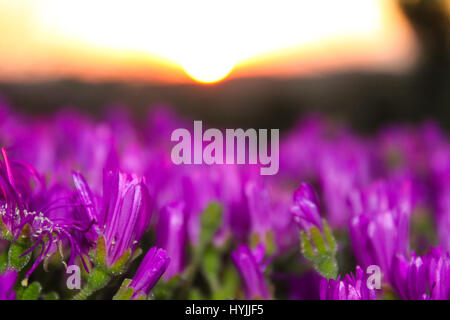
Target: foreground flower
{"type": "Point", "coordinates": [123, 216]}
{"type": "Point", "coordinates": [351, 287]}
{"type": "Point", "coordinates": [317, 241]}
{"type": "Point", "coordinates": [149, 272]}
{"type": "Point", "coordinates": [120, 223]}
{"type": "Point", "coordinates": [306, 208]}
{"type": "Point", "coordinates": [423, 278]}
{"type": "Point", "coordinates": [7, 281]}
{"type": "Point", "coordinates": [30, 217]}
{"type": "Point", "coordinates": [250, 267]}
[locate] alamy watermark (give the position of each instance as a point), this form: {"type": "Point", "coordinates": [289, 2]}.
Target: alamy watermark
{"type": "Point", "coordinates": [73, 281]}
{"type": "Point", "coordinates": [239, 147]}
{"type": "Point", "coordinates": [374, 280]}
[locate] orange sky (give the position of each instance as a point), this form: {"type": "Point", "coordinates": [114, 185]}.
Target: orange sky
{"type": "Point", "coordinates": [151, 42]}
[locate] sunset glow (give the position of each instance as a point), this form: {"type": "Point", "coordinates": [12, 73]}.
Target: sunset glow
{"type": "Point", "coordinates": [206, 39]}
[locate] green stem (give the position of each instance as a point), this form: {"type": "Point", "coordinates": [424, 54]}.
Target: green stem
{"type": "Point", "coordinates": [193, 268]}
{"type": "Point", "coordinates": [213, 283]}
{"type": "Point", "coordinates": [83, 294]}
{"type": "Point", "coordinates": [98, 278]}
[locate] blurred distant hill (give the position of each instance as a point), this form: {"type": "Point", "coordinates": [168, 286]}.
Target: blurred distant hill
{"type": "Point", "coordinates": [366, 100]}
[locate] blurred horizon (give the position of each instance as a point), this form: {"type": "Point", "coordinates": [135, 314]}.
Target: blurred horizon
{"type": "Point", "coordinates": [198, 41]}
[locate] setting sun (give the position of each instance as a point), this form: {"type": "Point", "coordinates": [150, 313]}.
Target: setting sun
{"type": "Point", "coordinates": [206, 40]}
{"type": "Point", "coordinates": [207, 72]}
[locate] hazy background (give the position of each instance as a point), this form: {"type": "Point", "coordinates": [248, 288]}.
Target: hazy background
{"type": "Point", "coordinates": [397, 69]}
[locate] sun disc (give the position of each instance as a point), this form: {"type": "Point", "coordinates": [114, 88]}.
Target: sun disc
{"type": "Point", "coordinates": [207, 72]}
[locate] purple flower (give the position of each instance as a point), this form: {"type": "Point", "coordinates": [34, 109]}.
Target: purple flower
{"type": "Point", "coordinates": [404, 148]}
{"type": "Point", "coordinates": [343, 166]}
{"type": "Point", "coordinates": [48, 213]}
{"type": "Point", "coordinates": [423, 278]}
{"type": "Point", "coordinates": [259, 207]}
{"type": "Point", "coordinates": [161, 121]}
{"type": "Point", "coordinates": [150, 271]}
{"type": "Point", "coordinates": [300, 148]}
{"type": "Point", "coordinates": [171, 236]}
{"type": "Point", "coordinates": [379, 228]}
{"type": "Point", "coordinates": [351, 287]}
{"type": "Point", "coordinates": [124, 214]}
{"type": "Point", "coordinates": [383, 195]}
{"type": "Point", "coordinates": [232, 194]}
{"type": "Point", "coordinates": [441, 180]}
{"type": "Point", "coordinates": [198, 191]}
{"type": "Point", "coordinates": [7, 281]}
{"type": "Point", "coordinates": [16, 192]}
{"type": "Point", "coordinates": [282, 221]}
{"type": "Point", "coordinates": [305, 208]}
{"type": "Point", "coordinates": [250, 267]}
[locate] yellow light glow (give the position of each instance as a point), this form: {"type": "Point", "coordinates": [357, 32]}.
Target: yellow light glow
{"type": "Point", "coordinates": [207, 72]}
{"type": "Point", "coordinates": [207, 38]}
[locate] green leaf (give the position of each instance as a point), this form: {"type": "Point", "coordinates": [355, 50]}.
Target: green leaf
{"type": "Point", "coordinates": [270, 243]}
{"type": "Point", "coordinates": [119, 266]}
{"type": "Point", "coordinates": [164, 290]}
{"type": "Point", "coordinates": [211, 220]}
{"type": "Point", "coordinates": [326, 265]}
{"type": "Point", "coordinates": [19, 292]}
{"type": "Point", "coordinates": [15, 261]}
{"type": "Point", "coordinates": [307, 249]}
{"type": "Point", "coordinates": [230, 284]}
{"type": "Point", "coordinates": [125, 292]}
{"type": "Point", "coordinates": [51, 296]}
{"type": "Point", "coordinates": [211, 261]}
{"type": "Point", "coordinates": [31, 292]}
{"type": "Point", "coordinates": [98, 278]}
{"type": "Point", "coordinates": [329, 236]}
{"type": "Point", "coordinates": [100, 254]}
{"type": "Point", "coordinates": [196, 294]}
{"type": "Point", "coordinates": [318, 240]}
{"type": "Point", "coordinates": [4, 261]}
{"type": "Point", "coordinates": [211, 267]}
{"type": "Point", "coordinates": [323, 254]}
